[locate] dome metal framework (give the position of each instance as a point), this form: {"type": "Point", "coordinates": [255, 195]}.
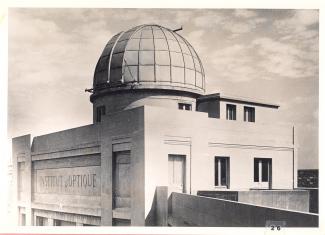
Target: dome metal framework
{"type": "Point", "coordinates": [149, 57]}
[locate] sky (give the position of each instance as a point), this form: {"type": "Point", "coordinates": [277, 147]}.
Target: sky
{"type": "Point", "coordinates": [269, 55]}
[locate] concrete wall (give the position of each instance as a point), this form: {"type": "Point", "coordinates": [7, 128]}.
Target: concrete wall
{"type": "Point", "coordinates": [218, 109]}
{"type": "Point", "coordinates": [189, 210]}
{"type": "Point", "coordinates": [67, 139]}
{"type": "Point", "coordinates": [51, 179]}
{"type": "Point", "coordinates": [262, 114]}
{"type": "Point", "coordinates": [22, 162]}
{"type": "Point", "coordinates": [297, 200]}
{"type": "Point", "coordinates": [201, 139]}
{"type": "Point", "coordinates": [150, 134]}
{"type": "Point", "coordinates": [119, 101]}
{"type": "Point", "coordinates": [122, 131]}
{"type": "Point", "coordinates": [242, 165]}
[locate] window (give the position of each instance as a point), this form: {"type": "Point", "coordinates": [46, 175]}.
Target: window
{"type": "Point", "coordinates": [221, 169]}
{"type": "Point", "coordinates": [41, 221]}
{"type": "Point", "coordinates": [231, 112]}
{"type": "Point", "coordinates": [183, 106]}
{"type": "Point", "coordinates": [100, 111]}
{"type": "Point", "coordinates": [63, 223]}
{"type": "Point", "coordinates": [249, 114]}
{"type": "Point", "coordinates": [262, 169]}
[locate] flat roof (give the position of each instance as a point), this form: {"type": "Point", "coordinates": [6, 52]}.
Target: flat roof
{"type": "Point", "coordinates": [236, 99]}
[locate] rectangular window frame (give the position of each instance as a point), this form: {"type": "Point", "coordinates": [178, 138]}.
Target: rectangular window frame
{"type": "Point", "coordinates": [185, 106]}
{"type": "Point", "coordinates": [266, 163]}
{"type": "Point", "coordinates": [41, 221]}
{"type": "Point", "coordinates": [225, 180]}
{"type": "Point", "coordinates": [100, 111]}
{"type": "Point", "coordinates": [250, 117]}
{"type": "Point", "coordinates": [231, 112]}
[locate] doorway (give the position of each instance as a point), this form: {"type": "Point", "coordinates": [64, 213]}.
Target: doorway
{"type": "Point", "coordinates": [176, 173]}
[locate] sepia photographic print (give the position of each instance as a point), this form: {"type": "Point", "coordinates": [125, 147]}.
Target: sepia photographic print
{"type": "Point", "coordinates": [163, 117]}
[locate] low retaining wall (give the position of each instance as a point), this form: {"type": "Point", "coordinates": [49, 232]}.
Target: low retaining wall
{"type": "Point", "coordinates": [297, 200]}
{"type": "Point", "coordinates": [313, 199]}
{"type": "Point", "coordinates": [190, 210]}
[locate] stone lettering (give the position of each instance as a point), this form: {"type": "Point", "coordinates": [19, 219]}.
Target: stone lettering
{"type": "Point", "coordinates": [79, 180]}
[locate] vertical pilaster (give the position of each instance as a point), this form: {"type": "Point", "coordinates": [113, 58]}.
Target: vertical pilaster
{"type": "Point", "coordinates": [27, 181]}
{"type": "Point", "coordinates": [14, 209]}
{"type": "Point", "coordinates": [106, 175]}
{"type": "Point", "coordinates": [21, 152]}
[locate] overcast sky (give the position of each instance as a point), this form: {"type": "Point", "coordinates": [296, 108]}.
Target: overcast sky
{"type": "Point", "coordinates": [270, 55]}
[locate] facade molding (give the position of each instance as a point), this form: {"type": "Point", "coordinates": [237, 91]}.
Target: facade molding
{"type": "Point", "coordinates": [244, 146]}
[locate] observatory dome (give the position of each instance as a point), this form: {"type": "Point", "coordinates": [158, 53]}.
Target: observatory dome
{"type": "Point", "coordinates": [148, 57]}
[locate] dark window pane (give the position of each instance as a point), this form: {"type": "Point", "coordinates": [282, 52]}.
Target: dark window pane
{"type": "Point", "coordinates": [100, 111]}
{"type": "Point", "coordinates": [256, 172]}
{"type": "Point", "coordinates": [249, 114]}
{"type": "Point", "coordinates": [231, 112]}
{"type": "Point", "coordinates": [182, 106]}
{"type": "Point", "coordinates": [223, 172]}
{"type": "Point", "coordinates": [216, 171]}
{"type": "Point", "coordinates": [265, 171]}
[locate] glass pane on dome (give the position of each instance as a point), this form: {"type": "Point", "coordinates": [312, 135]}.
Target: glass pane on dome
{"type": "Point", "coordinates": [102, 63]}
{"type": "Point", "coordinates": [179, 38]}
{"type": "Point", "coordinates": [146, 44]}
{"type": "Point", "coordinates": [147, 27]}
{"type": "Point", "coordinates": [117, 60]}
{"type": "Point", "coordinates": [137, 34]}
{"type": "Point", "coordinates": [169, 35]}
{"type": "Point", "coordinates": [131, 58]}
{"type": "Point", "coordinates": [126, 35]}
{"type": "Point", "coordinates": [177, 59]}
{"type": "Point", "coordinates": [185, 49]}
{"type": "Point", "coordinates": [147, 34]}
{"type": "Point", "coordinates": [161, 45]}
{"type": "Point", "coordinates": [177, 74]}
{"type": "Point", "coordinates": [133, 44]}
{"type": "Point", "coordinates": [115, 75]}
{"type": "Point", "coordinates": [130, 73]}
{"type": "Point", "coordinates": [113, 39]}
{"type": "Point", "coordinates": [146, 57]}
{"type": "Point", "coordinates": [162, 57]}
{"type": "Point", "coordinates": [173, 46]}
{"type": "Point", "coordinates": [199, 79]}
{"type": "Point", "coordinates": [162, 73]}
{"type": "Point", "coordinates": [146, 73]}
{"type": "Point", "coordinates": [107, 50]}
{"type": "Point", "coordinates": [101, 77]}
{"type": "Point", "coordinates": [120, 47]}
{"type": "Point", "coordinates": [188, 61]}
{"type": "Point", "coordinates": [192, 51]}
{"type": "Point", "coordinates": [158, 34]}
{"type": "Point", "coordinates": [190, 76]}
{"type": "Point", "coordinates": [197, 65]}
